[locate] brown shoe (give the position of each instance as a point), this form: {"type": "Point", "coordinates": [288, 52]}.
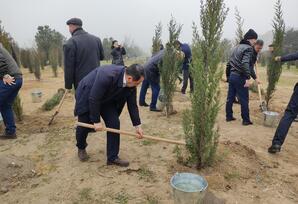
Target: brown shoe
{"type": "Point", "coordinates": [8, 136]}
{"type": "Point", "coordinates": [82, 154]}
{"type": "Point", "coordinates": [118, 162]}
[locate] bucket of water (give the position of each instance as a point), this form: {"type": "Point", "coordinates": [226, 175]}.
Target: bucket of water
{"type": "Point", "coordinates": [1, 122]}
{"type": "Point", "coordinates": [188, 188]}
{"type": "Point", "coordinates": [36, 96]}
{"type": "Point", "coordinates": [160, 100]}
{"type": "Point", "coordinates": [271, 119]}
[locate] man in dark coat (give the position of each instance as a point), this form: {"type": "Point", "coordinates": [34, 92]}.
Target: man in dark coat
{"type": "Point", "coordinates": [290, 114]}
{"type": "Point", "coordinates": [184, 47]}
{"type": "Point", "coordinates": [117, 53]}
{"type": "Point", "coordinates": [257, 49]}
{"type": "Point", "coordinates": [103, 93]}
{"type": "Point", "coordinates": [10, 83]}
{"type": "Point", "coordinates": [82, 54]}
{"type": "Point", "coordinates": [152, 78]}
{"type": "Point", "coordinates": [241, 61]}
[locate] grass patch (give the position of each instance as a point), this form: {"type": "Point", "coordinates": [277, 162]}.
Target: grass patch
{"type": "Point", "coordinates": [146, 174]}
{"type": "Point", "coordinates": [85, 194]}
{"type": "Point", "coordinates": [151, 199]}
{"type": "Point", "coordinates": [121, 198]}
{"type": "Point", "coordinates": [231, 175]}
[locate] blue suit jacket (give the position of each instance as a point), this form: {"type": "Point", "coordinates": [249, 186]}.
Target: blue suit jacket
{"type": "Point", "coordinates": [103, 86]}
{"type": "Point", "coordinates": [290, 57]}
{"type": "Point", "coordinates": [152, 67]}
{"type": "Point", "coordinates": [187, 55]}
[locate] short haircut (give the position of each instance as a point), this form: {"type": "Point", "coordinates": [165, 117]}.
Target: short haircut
{"type": "Point", "coordinates": [271, 45]}
{"type": "Point", "coordinates": [136, 71]}
{"type": "Point", "coordinates": [260, 42]}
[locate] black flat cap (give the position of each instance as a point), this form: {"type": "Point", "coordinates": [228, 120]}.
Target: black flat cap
{"type": "Point", "coordinates": [74, 21]}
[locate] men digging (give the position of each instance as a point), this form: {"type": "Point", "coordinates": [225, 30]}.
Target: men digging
{"type": "Point", "coordinates": [290, 114]}
{"type": "Point", "coordinates": [10, 83]}
{"type": "Point", "coordinates": [184, 47]}
{"type": "Point", "coordinates": [152, 76]}
{"type": "Point", "coordinates": [241, 73]}
{"type": "Point", "coordinates": [82, 54]}
{"type": "Point", "coordinates": [103, 93]}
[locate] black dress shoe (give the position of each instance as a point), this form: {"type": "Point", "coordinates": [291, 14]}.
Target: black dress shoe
{"type": "Point", "coordinates": [274, 149]}
{"type": "Point", "coordinates": [8, 136]}
{"type": "Point", "coordinates": [82, 154]}
{"type": "Point", "coordinates": [155, 110]}
{"type": "Point", "coordinates": [118, 162]}
{"type": "Point", "coordinates": [246, 123]}
{"type": "Point", "coordinates": [144, 104]}
{"type": "Point", "coordinates": [230, 119]}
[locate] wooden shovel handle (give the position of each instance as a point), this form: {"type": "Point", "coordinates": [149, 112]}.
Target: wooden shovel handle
{"type": "Point", "coordinates": [61, 102]}
{"type": "Point", "coordinates": [132, 134]}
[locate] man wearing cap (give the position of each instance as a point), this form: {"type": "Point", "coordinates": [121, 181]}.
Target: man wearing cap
{"type": "Point", "coordinates": [240, 62]}
{"type": "Point", "coordinates": [82, 53]}
{"type": "Point", "coordinates": [290, 114]}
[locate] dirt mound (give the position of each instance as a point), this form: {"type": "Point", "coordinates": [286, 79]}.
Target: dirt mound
{"type": "Point", "coordinates": [14, 171]}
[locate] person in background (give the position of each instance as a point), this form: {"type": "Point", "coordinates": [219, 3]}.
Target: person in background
{"type": "Point", "coordinates": [82, 54]}
{"type": "Point", "coordinates": [10, 83]}
{"type": "Point", "coordinates": [145, 86]}
{"type": "Point", "coordinates": [117, 53]}
{"type": "Point", "coordinates": [290, 114]}
{"type": "Point", "coordinates": [241, 72]}
{"type": "Point", "coordinates": [184, 47]}
{"type": "Point", "coordinates": [152, 77]}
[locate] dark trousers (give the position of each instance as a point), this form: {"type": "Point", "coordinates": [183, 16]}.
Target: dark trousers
{"type": "Point", "coordinates": [286, 121]}
{"type": "Point", "coordinates": [186, 76]}
{"type": "Point", "coordinates": [7, 95]}
{"type": "Point", "coordinates": [155, 88]}
{"type": "Point", "coordinates": [110, 115]}
{"type": "Point", "coordinates": [236, 87]}
{"type": "Point", "coordinates": [143, 92]}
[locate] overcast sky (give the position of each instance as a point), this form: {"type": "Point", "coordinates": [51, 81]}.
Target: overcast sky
{"type": "Point", "coordinates": [132, 18]}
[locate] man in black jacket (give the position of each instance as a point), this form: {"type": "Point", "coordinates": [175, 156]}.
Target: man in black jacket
{"type": "Point", "coordinates": [10, 83]}
{"type": "Point", "coordinates": [240, 61]}
{"type": "Point", "coordinates": [257, 48]}
{"type": "Point", "coordinates": [103, 93]}
{"type": "Point", "coordinates": [117, 53]}
{"type": "Point", "coordinates": [82, 54]}
{"type": "Point", "coordinates": [290, 114]}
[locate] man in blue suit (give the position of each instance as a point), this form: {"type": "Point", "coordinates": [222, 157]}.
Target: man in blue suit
{"type": "Point", "coordinates": [184, 47]}
{"type": "Point", "coordinates": [290, 114]}
{"type": "Point", "coordinates": [103, 93]}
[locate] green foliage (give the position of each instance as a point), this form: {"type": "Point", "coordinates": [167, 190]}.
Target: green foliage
{"type": "Point", "coordinates": [170, 65]}
{"type": "Point", "coordinates": [18, 108]}
{"type": "Point", "coordinates": [199, 123]}
{"type": "Point", "coordinates": [106, 44]}
{"type": "Point", "coordinates": [274, 68]}
{"type": "Point", "coordinates": [239, 30]}
{"type": "Point", "coordinates": [156, 40]}
{"type": "Point", "coordinates": [226, 49]}
{"type": "Point", "coordinates": [36, 64]}
{"type": "Point", "coordinates": [50, 46]}
{"type": "Point", "coordinates": [54, 101]}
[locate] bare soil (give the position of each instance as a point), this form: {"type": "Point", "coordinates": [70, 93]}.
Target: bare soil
{"type": "Point", "coordinates": [41, 166]}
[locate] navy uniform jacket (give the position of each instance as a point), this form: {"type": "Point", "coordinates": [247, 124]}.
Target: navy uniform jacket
{"type": "Point", "coordinates": [104, 86]}
{"type": "Point", "coordinates": [82, 54]}
{"type": "Point", "coordinates": [187, 55]}
{"type": "Point", "coordinates": [152, 67]}
{"type": "Point", "coordinates": [290, 57]}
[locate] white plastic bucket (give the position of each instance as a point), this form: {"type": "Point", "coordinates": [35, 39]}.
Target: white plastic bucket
{"type": "Point", "coordinates": [36, 96]}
